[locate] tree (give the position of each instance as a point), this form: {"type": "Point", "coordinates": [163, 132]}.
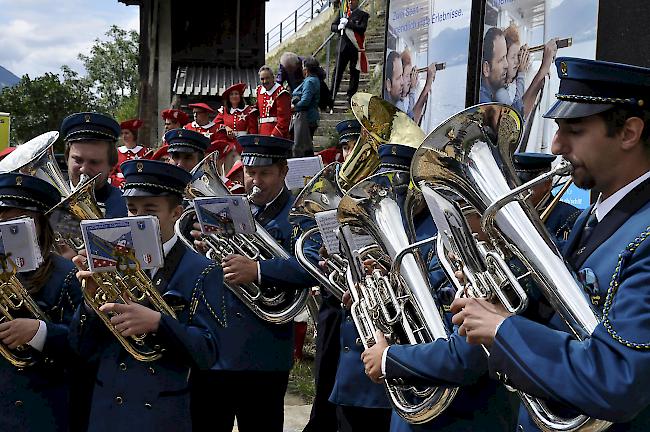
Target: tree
{"type": "Point", "coordinates": [112, 67]}
{"type": "Point", "coordinates": [39, 105]}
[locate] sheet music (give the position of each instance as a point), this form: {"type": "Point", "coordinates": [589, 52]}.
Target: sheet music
{"type": "Point", "coordinates": [327, 225]}
{"type": "Point", "coordinates": [302, 170]}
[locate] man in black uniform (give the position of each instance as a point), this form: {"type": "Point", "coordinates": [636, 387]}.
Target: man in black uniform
{"type": "Point", "coordinates": [352, 43]}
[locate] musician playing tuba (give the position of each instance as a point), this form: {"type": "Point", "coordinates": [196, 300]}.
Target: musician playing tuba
{"type": "Point", "coordinates": [34, 376]}
{"type": "Point", "coordinates": [255, 365]}
{"type": "Point", "coordinates": [602, 114]}
{"type": "Point", "coordinates": [135, 395]}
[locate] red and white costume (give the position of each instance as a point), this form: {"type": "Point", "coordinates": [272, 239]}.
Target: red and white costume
{"type": "Point", "coordinates": [274, 108]}
{"type": "Point", "coordinates": [241, 121]}
{"type": "Point", "coordinates": [209, 130]}
{"type": "Point", "coordinates": [124, 153]}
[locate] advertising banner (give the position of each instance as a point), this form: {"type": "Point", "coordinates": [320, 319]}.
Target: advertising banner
{"type": "Point", "coordinates": [5, 125]}
{"type": "Point", "coordinates": [425, 70]}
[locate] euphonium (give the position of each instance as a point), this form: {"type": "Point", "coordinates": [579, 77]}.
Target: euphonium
{"type": "Point", "coordinates": [322, 193]}
{"type": "Point", "coordinates": [466, 163]}
{"type": "Point", "coordinates": [400, 303]}
{"type": "Point", "coordinates": [381, 123]}
{"type": "Point", "coordinates": [275, 306]}
{"type": "Point", "coordinates": [16, 302]}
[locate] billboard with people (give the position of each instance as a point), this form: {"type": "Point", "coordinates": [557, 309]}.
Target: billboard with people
{"type": "Point", "coordinates": [521, 39]}
{"type": "Point", "coordinates": [425, 69]}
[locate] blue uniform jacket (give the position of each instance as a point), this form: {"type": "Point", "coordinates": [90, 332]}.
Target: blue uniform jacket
{"type": "Point", "coordinates": [606, 376]}
{"type": "Point", "coordinates": [560, 222]}
{"type": "Point", "coordinates": [111, 199]}
{"type": "Point", "coordinates": [252, 343]}
{"type": "Point", "coordinates": [154, 396]}
{"type": "Point", "coordinates": [36, 398]}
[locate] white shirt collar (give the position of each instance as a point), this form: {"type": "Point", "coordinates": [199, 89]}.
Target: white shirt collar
{"type": "Point", "coordinates": [234, 110]}
{"type": "Point", "coordinates": [124, 149]}
{"type": "Point", "coordinates": [602, 207]}
{"type": "Point", "coordinates": [167, 246]}
{"type": "Point", "coordinates": [270, 92]}
{"type": "Point", "coordinates": [205, 126]}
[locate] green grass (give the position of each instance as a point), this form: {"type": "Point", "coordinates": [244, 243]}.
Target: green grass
{"type": "Point", "coordinates": [301, 379]}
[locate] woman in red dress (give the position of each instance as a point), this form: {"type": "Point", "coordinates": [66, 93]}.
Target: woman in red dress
{"type": "Point", "coordinates": [235, 118]}
{"type": "Point", "coordinates": [129, 150]}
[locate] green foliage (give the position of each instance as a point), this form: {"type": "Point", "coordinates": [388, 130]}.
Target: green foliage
{"type": "Point", "coordinates": [39, 105]}
{"type": "Point", "coordinates": [112, 67]}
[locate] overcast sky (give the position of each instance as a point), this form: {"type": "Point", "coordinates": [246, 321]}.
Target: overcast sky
{"type": "Point", "coordinates": [38, 36]}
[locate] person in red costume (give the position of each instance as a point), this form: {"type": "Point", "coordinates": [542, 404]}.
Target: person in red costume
{"type": "Point", "coordinates": [273, 104]}
{"type": "Point", "coordinates": [202, 123]}
{"type": "Point", "coordinates": [174, 119]}
{"type": "Point", "coordinates": [128, 150]}
{"type": "Point", "coordinates": [235, 117]}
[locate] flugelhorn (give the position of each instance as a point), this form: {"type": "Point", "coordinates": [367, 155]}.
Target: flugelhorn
{"type": "Point", "coordinates": [276, 304]}
{"type": "Point", "coordinates": [16, 302]}
{"type": "Point", "coordinates": [128, 284]}
{"type": "Point", "coordinates": [466, 163]}
{"type": "Point", "coordinates": [401, 302]}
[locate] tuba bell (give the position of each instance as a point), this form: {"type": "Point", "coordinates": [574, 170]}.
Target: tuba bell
{"type": "Point", "coordinates": [465, 164]}
{"type": "Point", "coordinates": [400, 303]}
{"type": "Point", "coordinates": [322, 193]}
{"type": "Point", "coordinates": [381, 123]}
{"type": "Point", "coordinates": [279, 306]}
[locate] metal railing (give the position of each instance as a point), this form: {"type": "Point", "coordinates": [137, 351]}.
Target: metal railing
{"type": "Point", "coordinates": [294, 22]}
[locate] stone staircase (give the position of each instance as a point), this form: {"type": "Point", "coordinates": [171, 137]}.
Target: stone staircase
{"type": "Point", "coordinates": [326, 135]}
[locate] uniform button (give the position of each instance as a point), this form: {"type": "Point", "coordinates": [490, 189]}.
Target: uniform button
{"type": "Point", "coordinates": [152, 371]}
{"type": "Point", "coordinates": [119, 400]}
{"type": "Point", "coordinates": [147, 405]}
{"type": "Point", "coordinates": [346, 349]}
{"type": "Point", "coordinates": [348, 318]}
{"type": "Point", "coordinates": [122, 366]}
{"type": "Point", "coordinates": [358, 341]}
{"type": "Point", "coordinates": [18, 403]}
{"type": "Point", "coordinates": [520, 428]}
{"type": "Point", "coordinates": [238, 315]}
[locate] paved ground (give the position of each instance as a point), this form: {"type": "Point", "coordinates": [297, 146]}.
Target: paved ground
{"type": "Point", "coordinates": [296, 413]}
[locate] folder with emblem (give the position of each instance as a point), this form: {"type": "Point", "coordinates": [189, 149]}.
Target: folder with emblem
{"type": "Point", "coordinates": [19, 248]}
{"type": "Point", "coordinates": [225, 215]}
{"type": "Point", "coordinates": [122, 243]}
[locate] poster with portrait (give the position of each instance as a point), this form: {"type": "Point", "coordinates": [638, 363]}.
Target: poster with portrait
{"type": "Point", "coordinates": [425, 69]}
{"type": "Point", "coordinates": [521, 39]}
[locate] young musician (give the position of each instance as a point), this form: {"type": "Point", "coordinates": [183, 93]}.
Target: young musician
{"type": "Point", "coordinates": [35, 398]}
{"type": "Point", "coordinates": [130, 395]}
{"type": "Point", "coordinates": [90, 149]}
{"type": "Point", "coordinates": [602, 114]}
{"type": "Point", "coordinates": [186, 147]}
{"type": "Point", "coordinates": [254, 369]}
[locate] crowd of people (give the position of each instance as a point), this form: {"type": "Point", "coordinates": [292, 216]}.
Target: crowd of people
{"type": "Point", "coordinates": [215, 360]}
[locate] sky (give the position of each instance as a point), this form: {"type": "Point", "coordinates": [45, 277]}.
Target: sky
{"type": "Point", "coordinates": [38, 36]}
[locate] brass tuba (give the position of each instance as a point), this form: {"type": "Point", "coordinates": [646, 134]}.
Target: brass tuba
{"type": "Point", "coordinates": [15, 300]}
{"type": "Point", "coordinates": [277, 306]}
{"type": "Point", "coordinates": [400, 303]}
{"type": "Point", "coordinates": [322, 193]}
{"type": "Point", "coordinates": [465, 163]}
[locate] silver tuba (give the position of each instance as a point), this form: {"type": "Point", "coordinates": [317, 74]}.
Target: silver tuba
{"type": "Point", "coordinates": [465, 165]}
{"type": "Point", "coordinates": [276, 307]}
{"type": "Point", "coordinates": [322, 193]}
{"type": "Point", "coordinates": [400, 303]}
